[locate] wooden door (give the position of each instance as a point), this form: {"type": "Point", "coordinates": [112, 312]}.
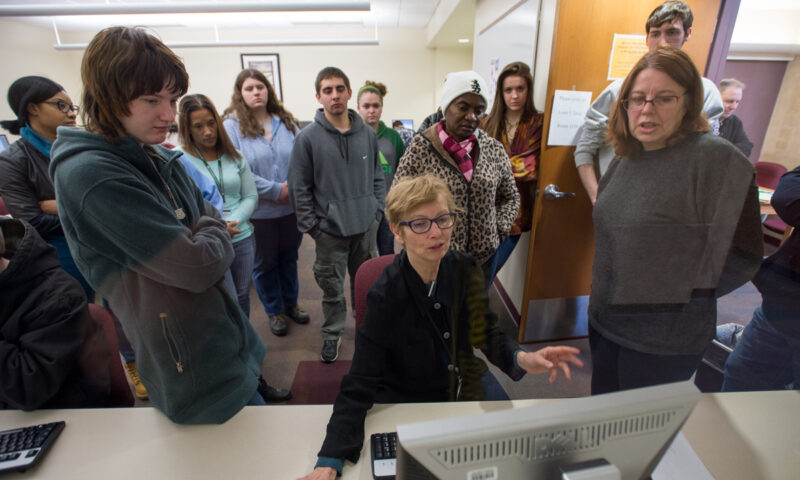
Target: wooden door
{"type": "Point", "coordinates": [561, 250]}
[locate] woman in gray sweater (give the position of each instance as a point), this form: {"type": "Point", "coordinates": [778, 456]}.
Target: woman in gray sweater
{"type": "Point", "coordinates": [676, 226]}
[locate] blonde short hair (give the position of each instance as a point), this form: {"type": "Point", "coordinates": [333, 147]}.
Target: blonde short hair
{"type": "Point", "coordinates": [409, 194]}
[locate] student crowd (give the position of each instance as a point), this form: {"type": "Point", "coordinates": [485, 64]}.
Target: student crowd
{"type": "Point", "coordinates": [170, 238]}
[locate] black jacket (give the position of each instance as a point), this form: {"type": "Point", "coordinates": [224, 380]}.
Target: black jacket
{"type": "Point", "coordinates": [778, 280]}
{"type": "Point", "coordinates": [52, 353]}
{"type": "Point", "coordinates": [732, 130]}
{"type": "Point", "coordinates": [24, 182]}
{"type": "Point", "coordinates": [402, 354]}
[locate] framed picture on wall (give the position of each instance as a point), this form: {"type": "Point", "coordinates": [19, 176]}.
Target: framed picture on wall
{"type": "Point", "coordinates": [269, 65]}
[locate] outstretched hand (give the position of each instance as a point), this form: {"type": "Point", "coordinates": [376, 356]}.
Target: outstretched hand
{"type": "Point", "coordinates": [320, 473]}
{"type": "Point", "coordinates": [550, 359]}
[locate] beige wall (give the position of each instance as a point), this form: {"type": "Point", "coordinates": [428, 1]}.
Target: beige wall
{"type": "Point", "coordinates": [411, 71]}
{"type": "Point", "coordinates": [782, 142]}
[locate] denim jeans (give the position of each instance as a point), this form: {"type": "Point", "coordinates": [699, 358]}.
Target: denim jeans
{"type": "Point", "coordinates": [124, 345]}
{"type": "Point", "coordinates": [242, 271]}
{"type": "Point", "coordinates": [764, 359]}
{"type": "Point", "coordinates": [257, 400]}
{"type": "Point", "coordinates": [504, 251]}
{"type": "Point", "coordinates": [616, 368]}
{"type": "Point", "coordinates": [385, 238]}
{"type": "Point", "coordinates": [498, 259]}
{"type": "Point", "coordinates": [275, 268]}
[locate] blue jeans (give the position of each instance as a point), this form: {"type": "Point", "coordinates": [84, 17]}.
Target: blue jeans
{"type": "Point", "coordinates": [504, 251]}
{"type": "Point", "coordinates": [385, 238]}
{"type": "Point", "coordinates": [242, 271]}
{"type": "Point", "coordinates": [124, 345]}
{"type": "Point", "coordinates": [616, 368]}
{"type": "Point", "coordinates": [764, 359]}
{"type": "Point", "coordinates": [257, 400]}
{"type": "Point", "coordinates": [275, 269]}
{"type": "Point", "coordinates": [68, 264]}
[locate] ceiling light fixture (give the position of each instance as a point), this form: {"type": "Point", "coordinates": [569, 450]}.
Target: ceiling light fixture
{"type": "Point", "coordinates": [189, 7]}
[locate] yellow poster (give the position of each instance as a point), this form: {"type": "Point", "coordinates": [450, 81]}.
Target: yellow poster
{"type": "Point", "coordinates": [625, 52]}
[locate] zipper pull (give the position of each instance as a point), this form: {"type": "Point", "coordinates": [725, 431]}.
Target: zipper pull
{"type": "Point", "coordinates": [179, 366]}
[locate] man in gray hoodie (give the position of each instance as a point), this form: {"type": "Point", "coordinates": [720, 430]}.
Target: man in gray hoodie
{"type": "Point", "coordinates": [336, 187]}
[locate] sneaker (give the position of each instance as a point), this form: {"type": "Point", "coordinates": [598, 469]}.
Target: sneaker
{"type": "Point", "coordinates": [297, 314]}
{"type": "Point", "coordinates": [271, 394]}
{"type": "Point", "coordinates": [133, 374]}
{"type": "Point", "coordinates": [330, 350]}
{"type": "Point", "coordinates": [277, 325]}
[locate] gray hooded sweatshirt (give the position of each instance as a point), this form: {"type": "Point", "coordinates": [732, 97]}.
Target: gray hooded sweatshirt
{"type": "Point", "coordinates": [336, 181]}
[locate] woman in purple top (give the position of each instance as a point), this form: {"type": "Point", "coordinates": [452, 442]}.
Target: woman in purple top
{"type": "Point", "coordinates": [263, 131]}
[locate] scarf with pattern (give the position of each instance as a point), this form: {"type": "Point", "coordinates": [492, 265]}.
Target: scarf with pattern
{"type": "Point", "coordinates": [459, 151]}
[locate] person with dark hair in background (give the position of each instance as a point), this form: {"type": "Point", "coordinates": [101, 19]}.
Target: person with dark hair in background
{"type": "Point", "coordinates": [730, 126]}
{"type": "Point", "coordinates": [767, 356]}
{"type": "Point", "coordinates": [515, 122]}
{"type": "Point", "coordinates": [336, 186]}
{"type": "Point", "coordinates": [206, 145]}
{"type": "Point", "coordinates": [146, 238]}
{"type": "Point", "coordinates": [668, 24]}
{"type": "Point", "coordinates": [677, 225]}
{"type": "Point", "coordinates": [41, 106]}
{"type": "Point", "coordinates": [264, 132]}
{"type": "Point", "coordinates": [53, 354]}
{"type": "Point", "coordinates": [406, 134]}
{"type": "Point", "coordinates": [390, 148]}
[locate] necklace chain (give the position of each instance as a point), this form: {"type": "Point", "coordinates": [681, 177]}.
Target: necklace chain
{"type": "Point", "coordinates": [179, 213]}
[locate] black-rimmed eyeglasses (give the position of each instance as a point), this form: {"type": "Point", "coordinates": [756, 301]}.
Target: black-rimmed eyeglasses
{"type": "Point", "coordinates": [662, 102]}
{"type": "Point", "coordinates": [423, 225]}
{"type": "Point", "coordinates": [63, 106]}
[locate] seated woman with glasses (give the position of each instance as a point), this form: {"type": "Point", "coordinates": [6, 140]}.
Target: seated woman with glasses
{"type": "Point", "coordinates": [425, 316]}
{"type": "Point", "coordinates": [41, 106]}
{"type": "Point", "coordinates": [676, 226]}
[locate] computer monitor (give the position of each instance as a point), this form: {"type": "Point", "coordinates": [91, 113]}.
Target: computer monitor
{"type": "Point", "coordinates": [631, 430]}
{"type": "Point", "coordinates": [3, 142]}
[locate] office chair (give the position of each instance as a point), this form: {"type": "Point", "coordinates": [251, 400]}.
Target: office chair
{"type": "Point", "coordinates": [767, 175]}
{"type": "Point", "coordinates": [121, 395]}
{"type": "Point", "coordinates": [366, 276]}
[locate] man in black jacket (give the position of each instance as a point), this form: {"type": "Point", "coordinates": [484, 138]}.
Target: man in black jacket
{"type": "Point", "coordinates": [52, 353]}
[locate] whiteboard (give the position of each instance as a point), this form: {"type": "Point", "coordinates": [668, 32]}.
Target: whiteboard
{"type": "Point", "coordinates": [510, 39]}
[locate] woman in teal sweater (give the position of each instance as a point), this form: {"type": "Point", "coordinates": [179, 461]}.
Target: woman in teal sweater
{"type": "Point", "coordinates": [206, 144]}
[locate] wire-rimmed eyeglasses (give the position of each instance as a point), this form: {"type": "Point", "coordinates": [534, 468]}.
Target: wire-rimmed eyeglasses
{"type": "Point", "coordinates": [63, 106]}
{"type": "Point", "coordinates": [662, 102]}
{"type": "Point", "coordinates": [423, 225]}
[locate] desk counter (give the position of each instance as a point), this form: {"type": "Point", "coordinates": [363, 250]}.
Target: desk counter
{"type": "Point", "coordinates": [737, 435]}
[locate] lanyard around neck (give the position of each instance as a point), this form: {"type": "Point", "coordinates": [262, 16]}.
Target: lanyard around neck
{"type": "Point", "coordinates": [220, 181]}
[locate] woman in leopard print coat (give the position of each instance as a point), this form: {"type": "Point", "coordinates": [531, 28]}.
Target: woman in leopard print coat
{"type": "Point", "coordinates": [484, 189]}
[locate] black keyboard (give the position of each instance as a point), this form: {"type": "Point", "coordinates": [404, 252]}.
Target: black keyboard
{"type": "Point", "coordinates": [383, 447]}
{"type": "Point", "coordinates": [22, 447]}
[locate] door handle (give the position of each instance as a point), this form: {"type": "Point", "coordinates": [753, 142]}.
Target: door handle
{"type": "Point", "coordinates": [551, 192]}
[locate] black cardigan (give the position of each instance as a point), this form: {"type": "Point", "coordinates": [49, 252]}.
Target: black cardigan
{"type": "Point", "coordinates": [404, 347]}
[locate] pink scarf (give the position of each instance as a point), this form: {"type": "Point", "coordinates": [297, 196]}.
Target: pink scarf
{"type": "Point", "coordinates": [459, 151]}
